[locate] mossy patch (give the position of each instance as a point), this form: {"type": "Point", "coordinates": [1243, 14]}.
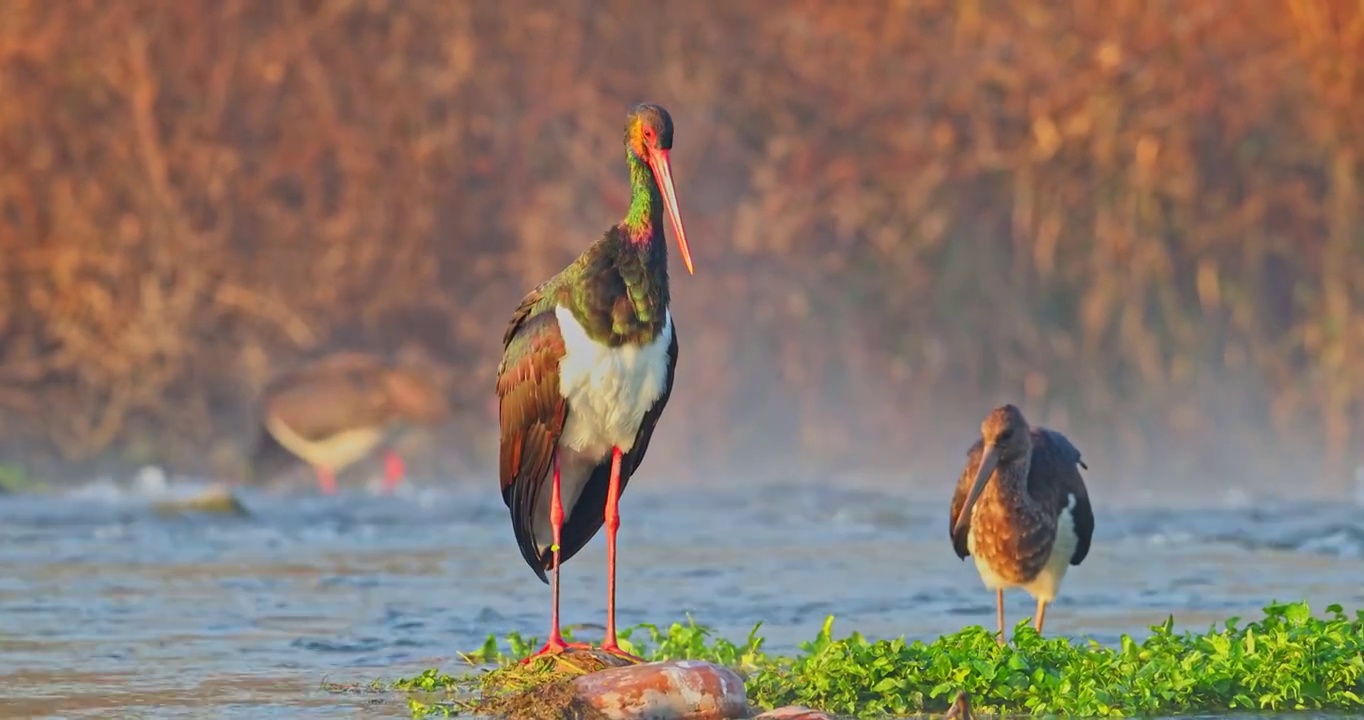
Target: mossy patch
{"type": "Point", "coordinates": [543, 688]}
{"type": "Point", "coordinates": [216, 500]}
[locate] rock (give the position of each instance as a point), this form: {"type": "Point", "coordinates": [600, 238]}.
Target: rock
{"type": "Point", "coordinates": [673, 690]}
{"type": "Point", "coordinates": [150, 479]}
{"type": "Point", "coordinates": [794, 712]}
{"type": "Point", "coordinates": [217, 500]}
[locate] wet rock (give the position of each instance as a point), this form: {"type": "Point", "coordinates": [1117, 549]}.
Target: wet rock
{"type": "Point", "coordinates": [794, 712]}
{"type": "Point", "coordinates": [673, 690]}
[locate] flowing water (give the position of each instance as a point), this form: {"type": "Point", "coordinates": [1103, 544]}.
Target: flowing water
{"type": "Point", "coordinates": [109, 609]}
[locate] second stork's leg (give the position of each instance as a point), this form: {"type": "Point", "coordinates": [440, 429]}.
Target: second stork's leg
{"type": "Point", "coordinates": [326, 480]}
{"type": "Point", "coordinates": [999, 605]}
{"type": "Point", "coordinates": [1041, 615]}
{"type": "Point", "coordinates": [393, 471]}
{"type": "Point", "coordinates": [612, 525]}
{"type": "Point", "coordinates": [556, 643]}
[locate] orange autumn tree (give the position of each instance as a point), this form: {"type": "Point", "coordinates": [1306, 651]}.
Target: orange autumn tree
{"type": "Point", "coordinates": [1139, 218]}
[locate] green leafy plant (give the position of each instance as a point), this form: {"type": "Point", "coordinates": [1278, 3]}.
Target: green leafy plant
{"type": "Point", "coordinates": [1289, 660]}
{"type": "Point", "coordinates": [13, 478]}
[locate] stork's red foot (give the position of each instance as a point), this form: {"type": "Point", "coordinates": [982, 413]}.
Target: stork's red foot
{"type": "Point", "coordinates": [614, 649]}
{"type": "Point", "coordinates": [554, 647]}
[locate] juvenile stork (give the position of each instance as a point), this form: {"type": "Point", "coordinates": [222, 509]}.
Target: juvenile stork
{"type": "Point", "coordinates": [1021, 509]}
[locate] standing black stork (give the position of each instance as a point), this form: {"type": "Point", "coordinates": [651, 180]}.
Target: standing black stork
{"type": "Point", "coordinates": [1021, 509]}
{"type": "Point", "coordinates": [586, 371]}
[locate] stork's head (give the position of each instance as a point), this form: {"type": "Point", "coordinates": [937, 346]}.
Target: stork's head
{"type": "Point", "coordinates": [1006, 438]}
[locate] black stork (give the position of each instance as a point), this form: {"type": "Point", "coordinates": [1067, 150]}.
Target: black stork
{"type": "Point", "coordinates": [336, 410]}
{"type": "Point", "coordinates": [586, 371]}
{"type": "Point", "coordinates": [1021, 509]}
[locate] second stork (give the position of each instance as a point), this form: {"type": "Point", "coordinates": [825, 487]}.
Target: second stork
{"type": "Point", "coordinates": [587, 368]}
{"type": "Point", "coordinates": [1021, 509]}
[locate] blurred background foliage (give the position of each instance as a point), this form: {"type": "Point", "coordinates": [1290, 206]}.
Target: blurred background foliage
{"type": "Point", "coordinates": [1139, 219]}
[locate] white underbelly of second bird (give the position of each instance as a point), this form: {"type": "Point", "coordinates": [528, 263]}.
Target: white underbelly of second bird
{"type": "Point", "coordinates": [335, 452]}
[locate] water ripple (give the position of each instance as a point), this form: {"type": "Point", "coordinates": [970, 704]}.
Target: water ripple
{"type": "Point", "coordinates": [256, 610]}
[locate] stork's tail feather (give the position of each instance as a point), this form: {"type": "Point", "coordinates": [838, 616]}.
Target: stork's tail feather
{"type": "Point", "coordinates": [521, 504]}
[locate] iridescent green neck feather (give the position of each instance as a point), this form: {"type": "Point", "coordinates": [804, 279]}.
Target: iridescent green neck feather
{"type": "Point", "coordinates": [642, 261]}
{"type": "Point", "coordinates": [618, 289]}
{"type": "Point", "coordinates": [646, 201]}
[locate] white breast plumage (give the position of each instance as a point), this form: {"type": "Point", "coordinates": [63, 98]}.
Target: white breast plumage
{"type": "Point", "coordinates": [609, 389]}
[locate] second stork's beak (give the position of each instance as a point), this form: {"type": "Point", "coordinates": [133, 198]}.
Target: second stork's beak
{"type": "Point", "coordinates": [988, 461]}
{"type": "Point", "coordinates": [663, 173]}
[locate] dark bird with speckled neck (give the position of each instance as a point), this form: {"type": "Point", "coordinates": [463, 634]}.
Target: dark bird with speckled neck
{"type": "Point", "coordinates": [586, 371]}
{"type": "Point", "coordinates": [1021, 509]}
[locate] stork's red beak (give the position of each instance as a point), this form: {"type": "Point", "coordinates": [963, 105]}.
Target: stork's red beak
{"type": "Point", "coordinates": [663, 173]}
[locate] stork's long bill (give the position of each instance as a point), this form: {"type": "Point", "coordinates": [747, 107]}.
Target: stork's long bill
{"type": "Point", "coordinates": [660, 163]}
{"type": "Point", "coordinates": [988, 462]}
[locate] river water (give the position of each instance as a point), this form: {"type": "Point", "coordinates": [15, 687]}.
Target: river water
{"type": "Point", "coordinates": [109, 609]}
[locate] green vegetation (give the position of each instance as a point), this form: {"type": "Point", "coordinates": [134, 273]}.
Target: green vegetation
{"type": "Point", "coordinates": [1289, 660]}
{"type": "Point", "coordinates": [13, 479]}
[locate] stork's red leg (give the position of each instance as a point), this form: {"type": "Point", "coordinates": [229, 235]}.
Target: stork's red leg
{"type": "Point", "coordinates": [326, 481]}
{"type": "Point", "coordinates": [556, 643]}
{"type": "Point", "coordinates": [612, 525]}
{"type": "Point", "coordinates": [393, 471]}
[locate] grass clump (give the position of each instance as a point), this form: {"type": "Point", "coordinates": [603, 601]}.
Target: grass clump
{"type": "Point", "coordinates": [542, 689]}
{"type": "Point", "coordinates": [538, 690]}
{"type": "Point", "coordinates": [1289, 660]}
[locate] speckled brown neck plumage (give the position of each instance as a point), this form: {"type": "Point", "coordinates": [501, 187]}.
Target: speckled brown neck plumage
{"type": "Point", "coordinates": [1010, 529]}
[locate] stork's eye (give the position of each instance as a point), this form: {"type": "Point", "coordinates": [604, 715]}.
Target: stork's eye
{"type": "Point", "coordinates": [649, 134]}
{"type": "Point", "coordinates": [1006, 436]}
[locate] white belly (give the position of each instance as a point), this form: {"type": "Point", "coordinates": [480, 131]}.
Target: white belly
{"type": "Point", "coordinates": [988, 575]}
{"type": "Point", "coordinates": [609, 391]}
{"type": "Point", "coordinates": [336, 452]}
{"type": "Point", "coordinates": [1048, 581]}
